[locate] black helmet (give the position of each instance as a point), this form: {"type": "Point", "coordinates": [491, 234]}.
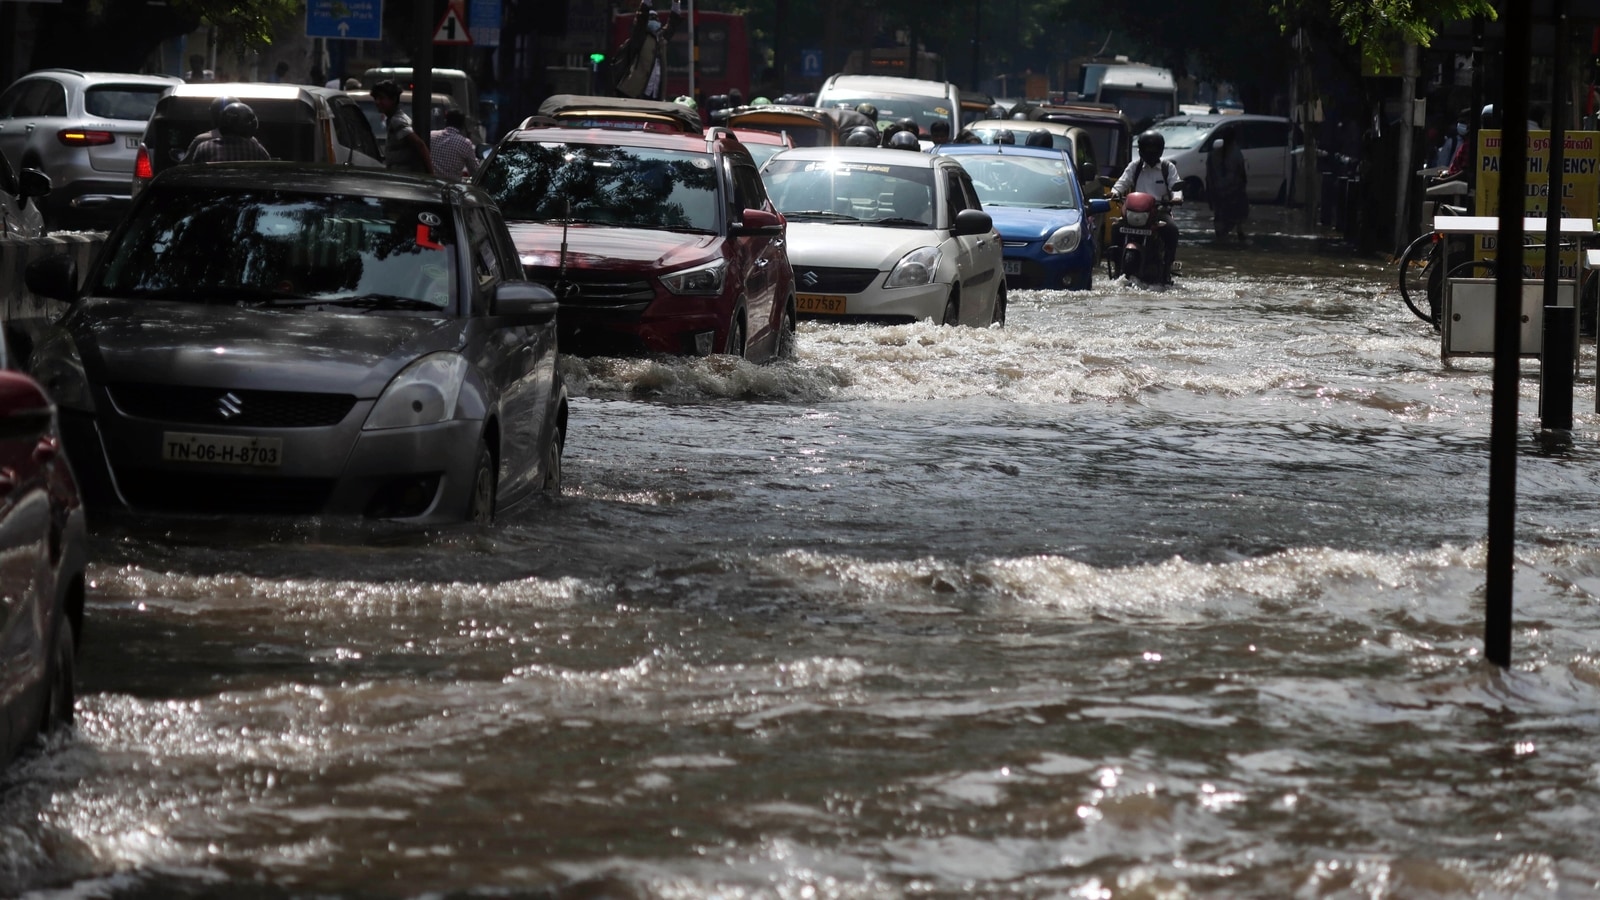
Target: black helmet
{"type": "Point", "coordinates": [1019, 114]}
{"type": "Point", "coordinates": [217, 106]}
{"type": "Point", "coordinates": [237, 119]}
{"type": "Point", "coordinates": [1040, 137]}
{"type": "Point", "coordinates": [904, 140]}
{"type": "Point", "coordinates": [998, 111]}
{"type": "Point", "coordinates": [910, 124]}
{"type": "Point", "coordinates": [868, 110]}
{"type": "Point", "coordinates": [1004, 136]}
{"type": "Point", "coordinates": [1151, 146]}
{"type": "Point", "coordinates": [861, 136]}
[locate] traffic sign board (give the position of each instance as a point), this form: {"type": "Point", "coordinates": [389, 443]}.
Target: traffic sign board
{"type": "Point", "coordinates": [810, 63]}
{"type": "Point", "coordinates": [452, 29]}
{"type": "Point", "coordinates": [355, 20]}
{"type": "Point", "coordinates": [484, 16]}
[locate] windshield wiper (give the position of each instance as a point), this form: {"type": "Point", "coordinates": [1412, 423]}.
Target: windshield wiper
{"type": "Point", "coordinates": [821, 214]}
{"type": "Point", "coordinates": [681, 229]}
{"type": "Point", "coordinates": [898, 220]}
{"type": "Point", "coordinates": [367, 302]}
{"type": "Point", "coordinates": [210, 295]}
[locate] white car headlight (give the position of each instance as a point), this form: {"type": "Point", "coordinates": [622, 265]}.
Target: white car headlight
{"type": "Point", "coordinates": [703, 279]}
{"type": "Point", "coordinates": [915, 269]}
{"type": "Point", "coordinates": [424, 393]}
{"type": "Point", "coordinates": [1065, 240]}
{"type": "Point", "coordinates": [1137, 219]}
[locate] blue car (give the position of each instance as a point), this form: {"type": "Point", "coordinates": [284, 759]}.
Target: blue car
{"type": "Point", "coordinates": [1032, 193]}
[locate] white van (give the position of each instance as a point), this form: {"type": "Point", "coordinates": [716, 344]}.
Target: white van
{"type": "Point", "coordinates": [1265, 142]}
{"type": "Point", "coordinates": [1145, 94]}
{"type": "Point", "coordinates": [896, 98]}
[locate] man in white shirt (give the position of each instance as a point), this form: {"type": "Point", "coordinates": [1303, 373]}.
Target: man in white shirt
{"type": "Point", "coordinates": [1150, 174]}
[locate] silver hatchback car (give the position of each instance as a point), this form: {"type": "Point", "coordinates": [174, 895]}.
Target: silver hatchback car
{"type": "Point", "coordinates": [82, 129]}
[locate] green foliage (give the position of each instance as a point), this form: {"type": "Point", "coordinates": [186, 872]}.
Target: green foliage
{"type": "Point", "coordinates": [243, 24]}
{"type": "Point", "coordinates": [1373, 27]}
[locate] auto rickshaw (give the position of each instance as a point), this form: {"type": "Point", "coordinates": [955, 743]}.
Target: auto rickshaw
{"type": "Point", "coordinates": [583, 111]}
{"type": "Point", "coordinates": [806, 126]}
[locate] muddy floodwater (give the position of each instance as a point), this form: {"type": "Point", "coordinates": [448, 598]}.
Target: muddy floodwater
{"type": "Point", "coordinates": [1149, 594]}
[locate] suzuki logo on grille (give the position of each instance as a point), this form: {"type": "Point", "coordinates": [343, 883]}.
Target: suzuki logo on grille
{"type": "Point", "coordinates": [229, 406]}
{"type": "Point", "coordinates": [811, 279]}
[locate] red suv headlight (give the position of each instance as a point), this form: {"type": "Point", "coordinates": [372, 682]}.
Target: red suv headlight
{"type": "Point", "coordinates": [702, 279]}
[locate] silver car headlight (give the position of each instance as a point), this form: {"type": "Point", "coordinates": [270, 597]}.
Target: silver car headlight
{"type": "Point", "coordinates": [915, 269]}
{"type": "Point", "coordinates": [705, 279]}
{"type": "Point", "coordinates": [1065, 240]}
{"type": "Point", "coordinates": [424, 393]}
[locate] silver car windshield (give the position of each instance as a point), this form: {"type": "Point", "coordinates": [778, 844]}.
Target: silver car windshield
{"type": "Point", "coordinates": [634, 187]}
{"type": "Point", "coordinates": [284, 249]}
{"type": "Point", "coordinates": [1183, 135]}
{"type": "Point", "coordinates": [1025, 181]}
{"type": "Point", "coordinates": [851, 193]}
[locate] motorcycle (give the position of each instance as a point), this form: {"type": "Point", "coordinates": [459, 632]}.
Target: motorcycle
{"type": "Point", "coordinates": [1140, 255]}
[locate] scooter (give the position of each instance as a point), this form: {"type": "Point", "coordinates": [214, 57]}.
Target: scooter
{"type": "Point", "coordinates": [1141, 255]}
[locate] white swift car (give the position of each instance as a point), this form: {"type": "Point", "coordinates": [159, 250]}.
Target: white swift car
{"type": "Point", "coordinates": [887, 236]}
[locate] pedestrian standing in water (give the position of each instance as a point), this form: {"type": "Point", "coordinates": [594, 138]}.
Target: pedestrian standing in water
{"type": "Point", "coordinates": [1225, 186]}
{"type": "Point", "coordinates": [403, 149]}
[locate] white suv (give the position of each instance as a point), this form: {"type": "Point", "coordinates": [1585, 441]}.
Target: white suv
{"type": "Point", "coordinates": [82, 130]}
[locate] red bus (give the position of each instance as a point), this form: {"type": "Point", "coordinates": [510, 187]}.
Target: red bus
{"type": "Point", "coordinates": [724, 52]}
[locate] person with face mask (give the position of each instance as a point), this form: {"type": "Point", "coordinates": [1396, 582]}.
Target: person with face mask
{"type": "Point", "coordinates": [643, 61]}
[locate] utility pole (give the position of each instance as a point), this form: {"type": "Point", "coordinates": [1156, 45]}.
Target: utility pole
{"type": "Point", "coordinates": [977, 30]}
{"type": "Point", "coordinates": [1408, 130]}
{"type": "Point", "coordinates": [1501, 560]}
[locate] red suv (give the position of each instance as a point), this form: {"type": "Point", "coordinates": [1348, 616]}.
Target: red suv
{"type": "Point", "coordinates": [655, 243]}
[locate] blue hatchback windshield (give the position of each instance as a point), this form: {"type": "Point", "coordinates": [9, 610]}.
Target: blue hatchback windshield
{"type": "Point", "coordinates": [279, 248]}
{"type": "Point", "coordinates": [635, 187]}
{"type": "Point", "coordinates": [1026, 181]}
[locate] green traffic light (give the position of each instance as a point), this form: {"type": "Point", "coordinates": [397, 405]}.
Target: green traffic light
{"type": "Point", "coordinates": [597, 58]}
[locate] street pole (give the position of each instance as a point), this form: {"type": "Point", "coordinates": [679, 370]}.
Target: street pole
{"type": "Point", "coordinates": [1403, 181]}
{"type": "Point", "coordinates": [1560, 323]}
{"type": "Point", "coordinates": [977, 23]}
{"type": "Point", "coordinates": [1507, 338]}
{"type": "Point", "coordinates": [422, 69]}
{"type": "Point", "coordinates": [694, 52]}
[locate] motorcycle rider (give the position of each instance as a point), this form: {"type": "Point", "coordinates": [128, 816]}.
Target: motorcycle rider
{"type": "Point", "coordinates": [1149, 173]}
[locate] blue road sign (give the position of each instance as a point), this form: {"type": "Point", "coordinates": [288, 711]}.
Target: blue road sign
{"type": "Point", "coordinates": [355, 20]}
{"type": "Point", "coordinates": [810, 63]}
{"type": "Point", "coordinates": [483, 17]}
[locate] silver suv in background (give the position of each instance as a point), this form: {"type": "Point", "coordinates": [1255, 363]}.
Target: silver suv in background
{"type": "Point", "coordinates": [82, 130]}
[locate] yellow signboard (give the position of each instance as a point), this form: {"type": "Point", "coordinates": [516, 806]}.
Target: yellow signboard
{"type": "Point", "coordinates": [1580, 188]}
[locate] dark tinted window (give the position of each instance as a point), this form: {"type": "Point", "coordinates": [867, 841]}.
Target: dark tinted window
{"type": "Point", "coordinates": [169, 133]}
{"type": "Point", "coordinates": [631, 186]}
{"type": "Point", "coordinates": [278, 248]}
{"type": "Point", "coordinates": [121, 101]}
{"type": "Point", "coordinates": [47, 98]}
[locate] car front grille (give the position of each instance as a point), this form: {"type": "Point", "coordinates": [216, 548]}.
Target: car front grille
{"type": "Point", "coordinates": [595, 288]}
{"type": "Point", "coordinates": [830, 280]}
{"type": "Point", "coordinates": [235, 408]}
{"type": "Point", "coordinates": [155, 490]}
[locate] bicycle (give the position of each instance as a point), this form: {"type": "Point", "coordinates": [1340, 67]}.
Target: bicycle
{"type": "Point", "coordinates": [1420, 272]}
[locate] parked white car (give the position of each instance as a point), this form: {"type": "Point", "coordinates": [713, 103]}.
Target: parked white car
{"type": "Point", "coordinates": [887, 236]}
{"type": "Point", "coordinates": [1265, 142]}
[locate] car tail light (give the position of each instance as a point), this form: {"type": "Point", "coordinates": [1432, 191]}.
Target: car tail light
{"type": "Point", "coordinates": [78, 137]}
{"type": "Point", "coordinates": [141, 164]}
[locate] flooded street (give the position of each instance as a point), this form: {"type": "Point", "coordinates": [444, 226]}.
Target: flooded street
{"type": "Point", "coordinates": [1150, 594]}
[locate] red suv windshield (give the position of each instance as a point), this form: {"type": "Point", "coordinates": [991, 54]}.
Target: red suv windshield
{"type": "Point", "coordinates": [631, 187]}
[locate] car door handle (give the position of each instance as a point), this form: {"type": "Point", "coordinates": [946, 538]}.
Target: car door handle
{"type": "Point", "coordinates": [46, 450]}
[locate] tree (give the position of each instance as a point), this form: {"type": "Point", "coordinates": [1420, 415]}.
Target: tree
{"type": "Point", "coordinates": [120, 35]}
